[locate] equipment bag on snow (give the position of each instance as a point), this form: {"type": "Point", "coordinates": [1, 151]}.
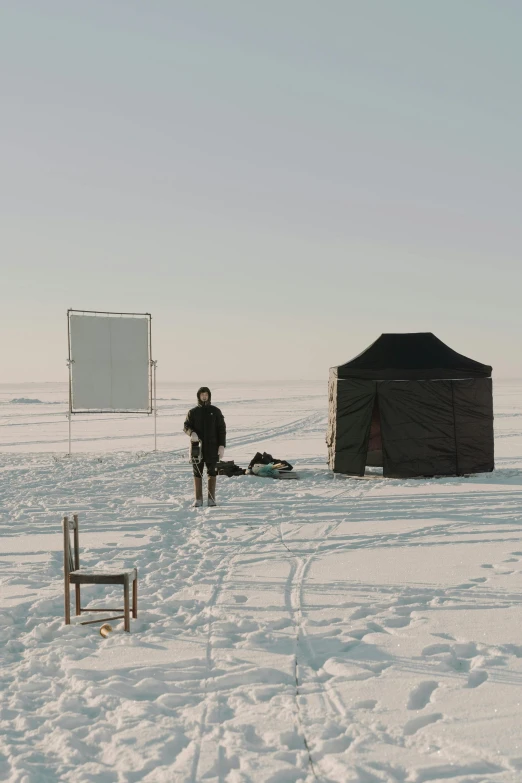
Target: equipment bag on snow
{"type": "Point", "coordinates": [266, 471]}
{"type": "Point", "coordinates": [229, 469]}
{"type": "Point", "coordinates": [267, 459]}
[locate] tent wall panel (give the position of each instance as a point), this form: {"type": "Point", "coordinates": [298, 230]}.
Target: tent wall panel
{"type": "Point", "coordinates": [374, 455]}
{"type": "Point", "coordinates": [473, 407]}
{"type": "Point", "coordinates": [354, 401]}
{"type": "Point", "coordinates": [417, 426]}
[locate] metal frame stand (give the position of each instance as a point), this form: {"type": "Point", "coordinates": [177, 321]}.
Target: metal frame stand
{"type": "Point", "coordinates": [69, 414]}
{"type": "Point", "coordinates": [154, 365]}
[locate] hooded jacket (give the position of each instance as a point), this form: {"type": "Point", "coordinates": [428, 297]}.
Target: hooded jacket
{"type": "Point", "coordinates": [208, 423]}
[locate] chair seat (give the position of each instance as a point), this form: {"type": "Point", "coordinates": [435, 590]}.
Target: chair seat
{"type": "Point", "coordinates": [103, 576]}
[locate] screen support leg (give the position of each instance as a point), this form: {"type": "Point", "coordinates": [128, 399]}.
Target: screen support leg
{"type": "Point", "coordinates": [154, 366]}
{"type": "Point", "coordinates": [69, 414]}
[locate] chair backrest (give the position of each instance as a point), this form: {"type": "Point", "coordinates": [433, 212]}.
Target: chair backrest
{"type": "Point", "coordinates": [71, 562]}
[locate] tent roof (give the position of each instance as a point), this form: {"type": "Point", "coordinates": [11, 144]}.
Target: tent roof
{"type": "Point", "coordinates": [418, 356]}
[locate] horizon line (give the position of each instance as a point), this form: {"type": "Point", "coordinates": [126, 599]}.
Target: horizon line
{"type": "Point", "coordinates": [243, 380]}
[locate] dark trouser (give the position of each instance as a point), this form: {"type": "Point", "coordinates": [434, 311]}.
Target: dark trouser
{"type": "Point", "coordinates": [199, 466]}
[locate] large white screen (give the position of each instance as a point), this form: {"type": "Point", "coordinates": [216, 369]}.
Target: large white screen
{"type": "Point", "coordinates": [110, 368]}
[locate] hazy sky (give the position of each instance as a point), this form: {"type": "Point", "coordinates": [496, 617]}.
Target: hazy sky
{"type": "Point", "coordinates": [276, 181]}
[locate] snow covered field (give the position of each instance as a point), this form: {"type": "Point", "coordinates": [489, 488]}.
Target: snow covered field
{"type": "Point", "coordinates": [322, 629]}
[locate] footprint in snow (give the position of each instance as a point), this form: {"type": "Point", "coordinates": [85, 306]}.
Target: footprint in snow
{"type": "Point", "coordinates": [437, 649]}
{"type": "Point", "coordinates": [397, 622]}
{"type": "Point", "coordinates": [369, 704]}
{"type": "Point", "coordinates": [476, 678]}
{"type": "Point", "coordinates": [363, 612]}
{"type": "Point", "coordinates": [421, 695]}
{"type": "Point", "coordinates": [413, 726]}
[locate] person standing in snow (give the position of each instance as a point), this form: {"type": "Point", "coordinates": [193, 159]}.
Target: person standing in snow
{"type": "Point", "coordinates": [206, 423]}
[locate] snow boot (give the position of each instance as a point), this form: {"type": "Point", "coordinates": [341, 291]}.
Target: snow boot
{"type": "Point", "coordinates": [211, 491]}
{"type": "Point", "coordinates": [198, 492]}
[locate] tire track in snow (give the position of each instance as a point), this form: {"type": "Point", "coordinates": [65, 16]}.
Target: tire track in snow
{"type": "Point", "coordinates": [209, 685]}
{"type": "Point", "coordinates": [240, 440]}
{"type": "Point", "coordinates": [226, 564]}
{"type": "Point", "coordinates": [285, 429]}
{"type": "Point", "coordinates": [294, 606]}
{"type": "Point", "coordinates": [298, 620]}
{"type": "Point", "coordinates": [297, 579]}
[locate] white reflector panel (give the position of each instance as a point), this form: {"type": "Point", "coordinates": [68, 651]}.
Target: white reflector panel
{"type": "Point", "coordinates": [111, 362]}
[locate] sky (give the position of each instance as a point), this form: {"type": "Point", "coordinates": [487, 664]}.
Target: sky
{"type": "Point", "coordinates": [276, 182]}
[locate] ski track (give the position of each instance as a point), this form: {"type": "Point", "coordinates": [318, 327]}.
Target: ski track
{"type": "Point", "coordinates": [77, 709]}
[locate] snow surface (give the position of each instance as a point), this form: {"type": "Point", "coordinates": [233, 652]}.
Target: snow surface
{"type": "Point", "coordinates": [327, 629]}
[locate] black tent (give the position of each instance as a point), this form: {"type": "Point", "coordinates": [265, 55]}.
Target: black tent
{"type": "Point", "coordinates": [413, 406]}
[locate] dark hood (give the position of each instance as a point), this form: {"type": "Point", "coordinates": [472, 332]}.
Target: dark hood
{"type": "Point", "coordinates": [205, 389]}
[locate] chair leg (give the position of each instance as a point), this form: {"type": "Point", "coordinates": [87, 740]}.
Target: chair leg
{"type": "Point", "coordinates": [78, 600]}
{"type": "Point", "coordinates": [67, 602]}
{"type": "Point", "coordinates": [135, 598]}
{"type": "Point", "coordinates": [126, 606]}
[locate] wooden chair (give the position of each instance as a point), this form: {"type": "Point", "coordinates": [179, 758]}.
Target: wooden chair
{"type": "Point", "coordinates": [74, 575]}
